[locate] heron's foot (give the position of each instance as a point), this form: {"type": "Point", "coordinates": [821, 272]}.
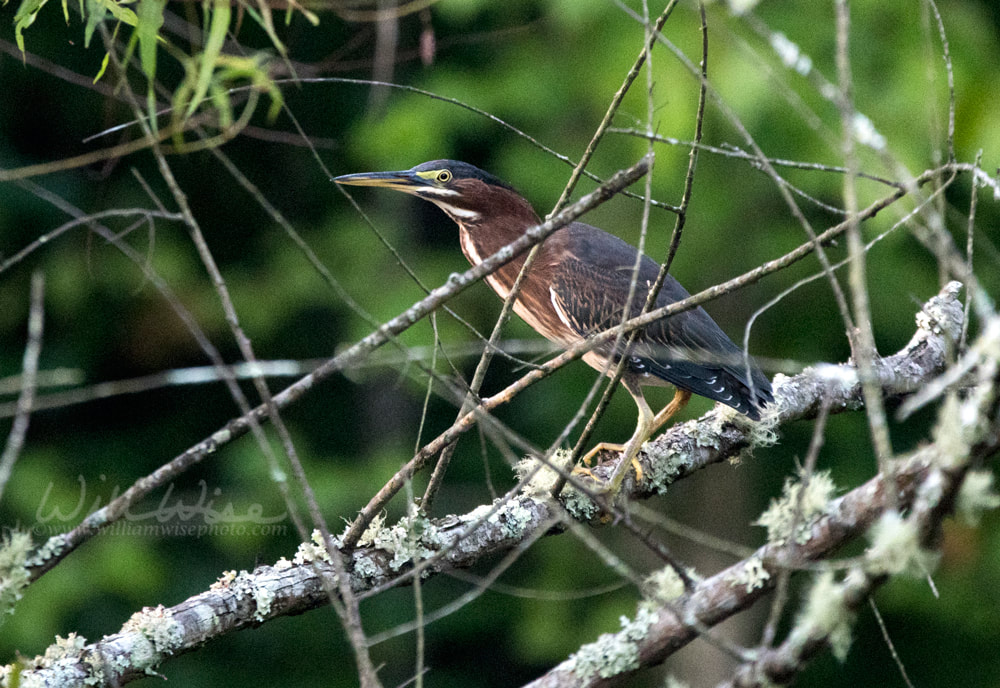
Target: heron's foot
{"type": "Point", "coordinates": [586, 472]}
{"type": "Point", "coordinates": [607, 446]}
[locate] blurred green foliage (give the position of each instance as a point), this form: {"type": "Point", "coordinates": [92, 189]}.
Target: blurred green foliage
{"type": "Point", "coordinates": [548, 68]}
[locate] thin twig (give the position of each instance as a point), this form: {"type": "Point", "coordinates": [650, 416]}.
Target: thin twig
{"type": "Point", "coordinates": [863, 337]}
{"type": "Point", "coordinates": [970, 234]}
{"type": "Point", "coordinates": [29, 373]}
{"type": "Point", "coordinates": [785, 574]}
{"type": "Point", "coordinates": [888, 642]}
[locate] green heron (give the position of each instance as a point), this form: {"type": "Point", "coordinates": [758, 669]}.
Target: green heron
{"type": "Point", "coordinates": [578, 286]}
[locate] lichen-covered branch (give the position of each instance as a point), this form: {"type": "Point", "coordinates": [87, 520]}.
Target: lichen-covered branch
{"type": "Point", "coordinates": [967, 433]}
{"type": "Point", "coordinates": [387, 555]}
{"type": "Point", "coordinates": [660, 628]}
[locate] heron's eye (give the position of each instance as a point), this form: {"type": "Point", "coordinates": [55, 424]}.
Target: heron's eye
{"type": "Point", "coordinates": [444, 176]}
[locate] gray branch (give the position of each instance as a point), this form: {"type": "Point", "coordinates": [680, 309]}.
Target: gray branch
{"type": "Point", "coordinates": [389, 555]}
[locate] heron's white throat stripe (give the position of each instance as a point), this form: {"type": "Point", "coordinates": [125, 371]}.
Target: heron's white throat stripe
{"type": "Point", "coordinates": [469, 248]}
{"type": "Point", "coordinates": [470, 251]}
{"type": "Point", "coordinates": [435, 192]}
{"type": "Point", "coordinates": [460, 213]}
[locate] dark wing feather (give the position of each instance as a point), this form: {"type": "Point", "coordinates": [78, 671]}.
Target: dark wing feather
{"type": "Point", "coordinates": [688, 350]}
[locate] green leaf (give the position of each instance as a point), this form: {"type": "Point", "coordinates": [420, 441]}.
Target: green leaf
{"type": "Point", "coordinates": [122, 14]}
{"type": "Point", "coordinates": [149, 21]}
{"type": "Point", "coordinates": [95, 13]}
{"type": "Point", "coordinates": [266, 21]}
{"type": "Point", "coordinates": [98, 10]}
{"type": "Point", "coordinates": [25, 17]}
{"type": "Point", "coordinates": [104, 67]}
{"type": "Point", "coordinates": [277, 101]}
{"type": "Point", "coordinates": [220, 17]}
{"type": "Point", "coordinates": [220, 98]}
{"type": "Point", "coordinates": [107, 57]}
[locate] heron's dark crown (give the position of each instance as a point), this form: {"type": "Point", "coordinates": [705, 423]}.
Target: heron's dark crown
{"type": "Point", "coordinates": [461, 171]}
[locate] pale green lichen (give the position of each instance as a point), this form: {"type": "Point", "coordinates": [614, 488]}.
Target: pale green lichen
{"type": "Point", "coordinates": [263, 598]}
{"type": "Point", "coordinates": [224, 581]}
{"type": "Point", "coordinates": [976, 496]}
{"type": "Point", "coordinates": [764, 433]}
{"type": "Point", "coordinates": [62, 648]}
{"type": "Point", "coordinates": [372, 531]}
{"type": "Point", "coordinates": [97, 669]}
{"type": "Point", "coordinates": [411, 539]}
{"type": "Point", "coordinates": [53, 547]}
{"type": "Point", "coordinates": [951, 435]}
{"type": "Point", "coordinates": [751, 575]}
{"type": "Point", "coordinates": [366, 568]}
{"type": "Point", "coordinates": [60, 662]}
{"type": "Point", "coordinates": [826, 615]}
{"type": "Point", "coordinates": [926, 321]}
{"type": "Point", "coordinates": [158, 626]}
{"type": "Point", "coordinates": [119, 664]}
{"type": "Point", "coordinates": [578, 505]}
{"type": "Point", "coordinates": [512, 518]}
{"type": "Point", "coordinates": [615, 653]}
{"type": "Point", "coordinates": [708, 432]}
{"type": "Point", "coordinates": [540, 477]}
{"type": "Point", "coordinates": [665, 465]}
{"type": "Point", "coordinates": [664, 585]}
{"type": "Point", "coordinates": [14, 576]}
{"type": "Point", "coordinates": [312, 551]}
{"type": "Point", "coordinates": [896, 548]}
{"type": "Point", "coordinates": [780, 516]}
{"type": "Point", "coordinates": [244, 585]}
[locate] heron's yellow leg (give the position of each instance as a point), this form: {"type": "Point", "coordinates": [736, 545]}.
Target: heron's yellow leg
{"type": "Point", "coordinates": [647, 425]}
{"type": "Point", "coordinates": [631, 448]}
{"type": "Point", "coordinates": [680, 400]}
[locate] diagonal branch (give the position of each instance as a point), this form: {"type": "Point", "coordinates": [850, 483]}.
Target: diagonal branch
{"type": "Point", "coordinates": [56, 548]}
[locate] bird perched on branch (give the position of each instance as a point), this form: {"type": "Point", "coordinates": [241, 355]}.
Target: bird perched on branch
{"type": "Point", "coordinates": [578, 286]}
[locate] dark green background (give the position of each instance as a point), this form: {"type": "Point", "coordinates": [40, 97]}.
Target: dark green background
{"type": "Point", "coordinates": [550, 69]}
